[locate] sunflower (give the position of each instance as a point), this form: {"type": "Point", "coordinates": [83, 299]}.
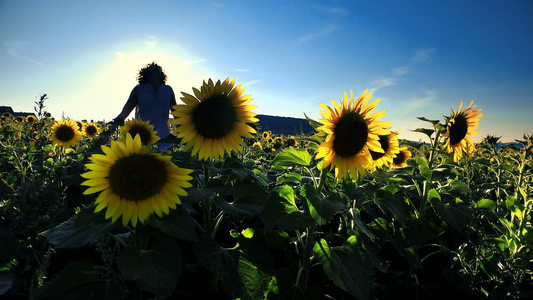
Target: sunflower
{"type": "Point", "coordinates": [30, 119]}
{"type": "Point", "coordinates": [65, 133]}
{"type": "Point", "coordinates": [266, 135]}
{"type": "Point", "coordinates": [401, 158]}
{"type": "Point", "coordinates": [142, 128]}
{"type": "Point", "coordinates": [460, 126]}
{"type": "Point", "coordinates": [133, 182]}
{"type": "Point", "coordinates": [258, 145]}
{"type": "Point", "coordinates": [291, 141]}
{"type": "Point", "coordinates": [351, 133]}
{"type": "Point", "coordinates": [214, 120]}
{"type": "Point", "coordinates": [390, 144]}
{"type": "Point", "coordinates": [80, 125]}
{"type": "Point", "coordinates": [91, 130]}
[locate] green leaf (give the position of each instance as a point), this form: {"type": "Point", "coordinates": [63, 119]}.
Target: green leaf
{"type": "Point", "coordinates": [156, 270]}
{"type": "Point", "coordinates": [255, 281]}
{"type": "Point", "coordinates": [393, 206]}
{"type": "Point", "coordinates": [433, 194]}
{"type": "Point", "coordinates": [457, 216]}
{"type": "Point", "coordinates": [321, 210]}
{"type": "Point", "coordinates": [80, 280]}
{"type": "Point", "coordinates": [6, 281]}
{"type": "Point", "coordinates": [486, 204]}
{"type": "Point", "coordinates": [237, 169]}
{"type": "Point", "coordinates": [217, 260]}
{"type": "Point", "coordinates": [312, 122]}
{"type": "Point", "coordinates": [256, 249]}
{"type": "Point", "coordinates": [280, 209]}
{"type": "Point", "coordinates": [291, 157]}
{"type": "Point", "coordinates": [315, 140]}
{"type": "Point", "coordinates": [84, 228]}
{"type": "Point", "coordinates": [423, 167]}
{"type": "Point", "coordinates": [499, 243]}
{"type": "Point", "coordinates": [178, 223]}
{"type": "Point", "coordinates": [423, 229]}
{"type": "Point", "coordinates": [249, 200]}
{"type": "Point", "coordinates": [425, 131]}
{"type": "Point", "coordinates": [433, 122]}
{"type": "Point", "coordinates": [291, 177]}
{"type": "Point", "coordinates": [350, 271]}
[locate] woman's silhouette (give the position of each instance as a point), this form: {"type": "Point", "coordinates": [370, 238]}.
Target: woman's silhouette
{"type": "Point", "coordinates": [152, 99]}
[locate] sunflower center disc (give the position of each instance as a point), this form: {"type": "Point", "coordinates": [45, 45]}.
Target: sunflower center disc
{"type": "Point", "coordinates": [458, 129]}
{"type": "Point", "coordinates": [215, 117]}
{"type": "Point", "coordinates": [91, 130]}
{"type": "Point", "coordinates": [137, 177]}
{"type": "Point", "coordinates": [351, 133]}
{"type": "Point", "coordinates": [398, 160]}
{"type": "Point", "coordinates": [65, 133]}
{"type": "Point", "coordinates": [143, 132]}
{"type": "Point", "coordinates": [384, 142]}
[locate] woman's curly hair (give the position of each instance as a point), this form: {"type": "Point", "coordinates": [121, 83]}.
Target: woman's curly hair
{"type": "Point", "coordinates": [144, 73]}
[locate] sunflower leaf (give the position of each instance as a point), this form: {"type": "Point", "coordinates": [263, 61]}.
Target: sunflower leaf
{"type": "Point", "coordinates": [80, 280]}
{"type": "Point", "coordinates": [6, 281]}
{"type": "Point", "coordinates": [219, 261]}
{"type": "Point", "coordinates": [254, 280]}
{"type": "Point", "coordinates": [155, 270]}
{"type": "Point", "coordinates": [85, 228]}
{"type": "Point", "coordinates": [291, 157]}
{"type": "Point", "coordinates": [321, 210]}
{"type": "Point", "coordinates": [312, 122]}
{"type": "Point", "coordinates": [428, 132]}
{"type": "Point", "coordinates": [178, 223]}
{"type": "Point", "coordinates": [280, 209]}
{"type": "Point", "coordinates": [249, 200]}
{"type": "Point", "coordinates": [434, 122]}
{"type": "Point", "coordinates": [457, 216]}
{"type": "Point", "coordinates": [349, 267]}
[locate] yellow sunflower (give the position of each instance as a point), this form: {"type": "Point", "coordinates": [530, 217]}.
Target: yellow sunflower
{"type": "Point", "coordinates": [266, 134]}
{"type": "Point", "coordinates": [65, 133]}
{"type": "Point", "coordinates": [460, 126]}
{"type": "Point", "coordinates": [31, 118]}
{"type": "Point", "coordinates": [91, 130]}
{"type": "Point", "coordinates": [351, 133]}
{"type": "Point", "coordinates": [291, 141]}
{"type": "Point", "coordinates": [258, 145]}
{"type": "Point", "coordinates": [401, 158]}
{"type": "Point", "coordinates": [214, 120]}
{"type": "Point", "coordinates": [142, 128]}
{"type": "Point", "coordinates": [390, 144]}
{"type": "Point", "coordinates": [133, 182]}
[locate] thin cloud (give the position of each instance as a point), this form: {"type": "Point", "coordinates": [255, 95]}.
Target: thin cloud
{"type": "Point", "coordinates": [383, 82]}
{"type": "Point", "coordinates": [317, 34]}
{"type": "Point", "coordinates": [401, 70]}
{"type": "Point", "coordinates": [249, 83]}
{"type": "Point", "coordinates": [15, 48]}
{"type": "Point", "coordinates": [152, 42]}
{"type": "Point", "coordinates": [338, 11]}
{"type": "Point", "coordinates": [421, 55]}
{"type": "Point", "coordinates": [242, 70]}
{"type": "Point", "coordinates": [419, 102]}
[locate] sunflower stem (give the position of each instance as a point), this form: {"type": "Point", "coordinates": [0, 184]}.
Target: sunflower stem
{"type": "Point", "coordinates": [217, 224]}
{"type": "Point", "coordinates": [323, 177]}
{"type": "Point", "coordinates": [432, 155]}
{"type": "Point", "coordinates": [121, 242]}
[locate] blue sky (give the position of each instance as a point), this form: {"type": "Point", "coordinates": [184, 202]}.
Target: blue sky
{"type": "Point", "coordinates": [419, 57]}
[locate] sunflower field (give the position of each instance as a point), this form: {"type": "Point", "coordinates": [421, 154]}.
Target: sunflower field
{"type": "Point", "coordinates": [223, 209]}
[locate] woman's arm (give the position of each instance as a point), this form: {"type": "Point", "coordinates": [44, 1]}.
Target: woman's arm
{"type": "Point", "coordinates": [130, 104]}
{"type": "Point", "coordinates": [172, 99]}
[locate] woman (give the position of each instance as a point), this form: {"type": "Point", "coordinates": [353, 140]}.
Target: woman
{"type": "Point", "coordinates": [152, 100]}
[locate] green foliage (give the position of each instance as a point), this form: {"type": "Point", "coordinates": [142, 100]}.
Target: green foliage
{"type": "Point", "coordinates": [270, 224]}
